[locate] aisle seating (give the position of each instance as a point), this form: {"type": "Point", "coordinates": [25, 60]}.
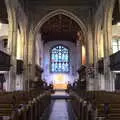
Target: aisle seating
{"type": "Point", "coordinates": [23, 105]}
{"type": "Point", "coordinates": [107, 104]}
{"type": "Point", "coordinates": [96, 105]}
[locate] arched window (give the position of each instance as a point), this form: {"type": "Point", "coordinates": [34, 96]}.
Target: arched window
{"type": "Point", "coordinates": [59, 59]}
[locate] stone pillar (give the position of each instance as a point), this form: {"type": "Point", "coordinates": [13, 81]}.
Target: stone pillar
{"type": "Point", "coordinates": [109, 81]}
{"type": "Point", "coordinates": [31, 66]}
{"type": "Point", "coordinates": [96, 80]}
{"type": "Point", "coordinates": [100, 56]}
{"type": "Point", "coordinates": [89, 45]}
{"type": "Point", "coordinates": [41, 51]}
{"type": "Point", "coordinates": [23, 48]}
{"type": "Point", "coordinates": [89, 56]}
{"type": "Point", "coordinates": [34, 57]}
{"type": "Point", "coordinates": [79, 52]}
{"type": "Point", "coordinates": [12, 39]}
{"type": "Point", "coordinates": [19, 57]}
{"type": "Point", "coordinates": [31, 56]}
{"type": "Point", "coordinates": [79, 57]}
{"type": "Point", "coordinates": [79, 49]}
{"type": "Point", "coordinates": [25, 59]}
{"type": "Point", "coordinates": [41, 55]}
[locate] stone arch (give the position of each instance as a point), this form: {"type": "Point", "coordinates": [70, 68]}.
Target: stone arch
{"type": "Point", "coordinates": [63, 12]}
{"type": "Point", "coordinates": [45, 19]}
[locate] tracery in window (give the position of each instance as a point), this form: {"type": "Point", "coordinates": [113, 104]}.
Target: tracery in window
{"type": "Point", "coordinates": [59, 58]}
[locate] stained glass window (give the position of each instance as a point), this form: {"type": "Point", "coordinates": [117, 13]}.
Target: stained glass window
{"type": "Point", "coordinates": [59, 58]}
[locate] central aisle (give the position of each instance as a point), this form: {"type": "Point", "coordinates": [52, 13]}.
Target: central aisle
{"type": "Point", "coordinates": [59, 111]}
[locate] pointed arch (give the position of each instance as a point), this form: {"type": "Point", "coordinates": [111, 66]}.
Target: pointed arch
{"type": "Point", "coordinates": [63, 12]}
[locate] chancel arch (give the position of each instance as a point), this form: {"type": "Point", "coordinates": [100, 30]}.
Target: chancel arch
{"type": "Point", "coordinates": [66, 13]}
{"type": "Point", "coordinates": [60, 25]}
{"type": "Point", "coordinates": [63, 12]}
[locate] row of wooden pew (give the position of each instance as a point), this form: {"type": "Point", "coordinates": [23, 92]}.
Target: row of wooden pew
{"type": "Point", "coordinates": [23, 105]}
{"type": "Point", "coordinates": [96, 105]}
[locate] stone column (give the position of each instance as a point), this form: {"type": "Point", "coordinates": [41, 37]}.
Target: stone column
{"type": "Point", "coordinates": [109, 81]}
{"type": "Point", "coordinates": [12, 39]}
{"type": "Point", "coordinates": [96, 80]}
{"type": "Point", "coordinates": [79, 49]}
{"type": "Point", "coordinates": [89, 55]}
{"type": "Point", "coordinates": [25, 59]}
{"type": "Point", "coordinates": [41, 55]}
{"type": "Point", "coordinates": [100, 56]}
{"type": "Point", "coordinates": [89, 45]}
{"type": "Point", "coordinates": [33, 57]}
{"type": "Point", "coordinates": [31, 66]}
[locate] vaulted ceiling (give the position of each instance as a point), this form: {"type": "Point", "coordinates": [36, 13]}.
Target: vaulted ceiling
{"type": "Point", "coordinates": [60, 27]}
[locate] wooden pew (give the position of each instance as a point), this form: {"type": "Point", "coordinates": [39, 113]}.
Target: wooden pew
{"type": "Point", "coordinates": [110, 101]}
{"type": "Point", "coordinates": [100, 100]}
{"type": "Point", "coordinates": [25, 105]}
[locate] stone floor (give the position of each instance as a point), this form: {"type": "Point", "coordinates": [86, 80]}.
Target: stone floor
{"type": "Point", "coordinates": [60, 93]}
{"type": "Point", "coordinates": [59, 110]}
